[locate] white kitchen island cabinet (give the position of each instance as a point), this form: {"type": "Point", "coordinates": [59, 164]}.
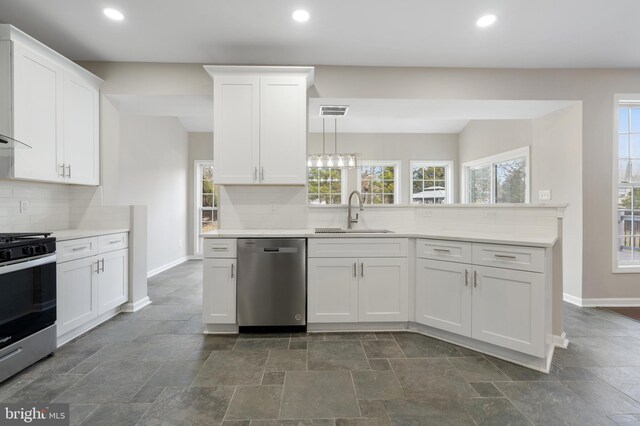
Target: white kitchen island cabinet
{"type": "Point", "coordinates": [51, 104]}
{"type": "Point", "coordinates": [260, 124]}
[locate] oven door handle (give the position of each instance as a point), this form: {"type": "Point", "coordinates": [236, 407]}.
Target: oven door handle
{"type": "Point", "coordinates": [31, 263]}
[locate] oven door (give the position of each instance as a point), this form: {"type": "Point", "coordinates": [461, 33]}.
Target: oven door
{"type": "Point", "coordinates": [27, 298]}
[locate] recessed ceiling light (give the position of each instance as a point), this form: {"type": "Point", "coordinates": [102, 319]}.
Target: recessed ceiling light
{"type": "Point", "coordinates": [114, 14]}
{"type": "Point", "coordinates": [301, 15]}
{"type": "Point", "coordinates": [486, 21]}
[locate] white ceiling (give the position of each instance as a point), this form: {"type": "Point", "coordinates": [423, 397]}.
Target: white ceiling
{"type": "Point", "coordinates": [529, 33]}
{"type": "Point", "coordinates": [364, 116]}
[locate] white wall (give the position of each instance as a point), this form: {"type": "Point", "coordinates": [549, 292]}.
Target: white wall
{"type": "Point", "coordinates": [152, 171]}
{"type": "Point", "coordinates": [555, 141]}
{"type": "Point", "coordinates": [391, 146]}
{"type": "Point", "coordinates": [200, 148]}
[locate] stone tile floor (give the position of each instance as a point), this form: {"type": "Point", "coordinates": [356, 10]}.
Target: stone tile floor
{"type": "Point", "coordinates": [155, 367]}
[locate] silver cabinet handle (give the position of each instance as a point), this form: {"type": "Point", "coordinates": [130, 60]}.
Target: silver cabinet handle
{"type": "Point", "coordinates": [114, 241]}
{"type": "Point", "coordinates": [362, 269]}
{"type": "Point", "coordinates": [475, 278]}
{"type": "Point", "coordinates": [255, 173]}
{"type": "Point", "coordinates": [102, 269]}
{"type": "Point", "coordinates": [69, 171]}
{"type": "Point", "coordinates": [355, 271]}
{"type": "Point", "coordinates": [442, 250]}
{"type": "Point", "coordinates": [219, 248]}
{"type": "Point", "coordinates": [61, 171]}
{"type": "Point", "coordinates": [97, 266]}
{"type": "Point", "coordinates": [466, 278]}
{"type": "Point", "coordinates": [79, 248]}
{"type": "Point", "coordinates": [233, 266]}
{"type": "Point", "coordinates": [504, 256]}
{"type": "Point", "coordinates": [262, 173]}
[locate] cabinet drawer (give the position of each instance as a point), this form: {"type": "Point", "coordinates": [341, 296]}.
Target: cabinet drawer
{"type": "Point", "coordinates": [113, 242]}
{"type": "Point", "coordinates": [76, 249]}
{"type": "Point", "coordinates": [358, 247]}
{"type": "Point", "coordinates": [452, 251]}
{"type": "Point", "coordinates": [220, 247]}
{"type": "Point", "coordinates": [509, 257]}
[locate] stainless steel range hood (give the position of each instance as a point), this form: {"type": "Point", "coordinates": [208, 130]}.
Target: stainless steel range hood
{"type": "Point", "coordinates": [7, 142]}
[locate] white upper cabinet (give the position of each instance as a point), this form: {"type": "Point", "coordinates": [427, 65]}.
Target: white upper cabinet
{"type": "Point", "coordinates": [52, 105]}
{"type": "Point", "coordinates": [260, 124]}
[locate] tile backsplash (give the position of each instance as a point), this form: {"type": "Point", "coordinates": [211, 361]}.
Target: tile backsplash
{"type": "Point", "coordinates": [52, 207]}
{"type": "Point", "coordinates": [251, 207]}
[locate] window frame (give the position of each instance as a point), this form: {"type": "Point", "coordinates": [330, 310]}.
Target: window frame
{"type": "Point", "coordinates": [616, 267]}
{"type": "Point", "coordinates": [397, 190]}
{"type": "Point", "coordinates": [449, 179]}
{"type": "Point", "coordinates": [490, 161]}
{"type": "Point", "coordinates": [197, 165]}
{"type": "Point", "coordinates": [343, 186]}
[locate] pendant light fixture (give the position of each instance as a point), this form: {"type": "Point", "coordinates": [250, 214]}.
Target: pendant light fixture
{"type": "Point", "coordinates": [335, 160]}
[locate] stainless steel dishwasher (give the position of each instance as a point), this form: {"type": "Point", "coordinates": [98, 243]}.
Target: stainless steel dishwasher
{"type": "Point", "coordinates": [272, 283]}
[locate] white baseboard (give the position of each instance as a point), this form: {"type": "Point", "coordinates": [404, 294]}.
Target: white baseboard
{"type": "Point", "coordinates": [561, 341]}
{"type": "Point", "coordinates": [603, 302]}
{"type": "Point", "coordinates": [136, 306]}
{"type": "Point", "coordinates": [169, 265]}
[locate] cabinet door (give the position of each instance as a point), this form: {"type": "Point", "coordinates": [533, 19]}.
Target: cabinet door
{"type": "Point", "coordinates": [443, 295]}
{"type": "Point", "coordinates": [508, 309]}
{"type": "Point", "coordinates": [219, 291]}
{"type": "Point", "coordinates": [113, 280]}
{"type": "Point", "coordinates": [283, 130]}
{"type": "Point", "coordinates": [236, 127]}
{"type": "Point", "coordinates": [382, 290]}
{"type": "Point", "coordinates": [77, 292]}
{"type": "Point", "coordinates": [332, 290]}
{"type": "Point", "coordinates": [36, 108]}
{"type": "Point", "coordinates": [80, 131]}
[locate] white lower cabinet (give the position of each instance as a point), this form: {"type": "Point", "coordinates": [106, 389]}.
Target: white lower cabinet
{"type": "Point", "coordinates": [508, 309]}
{"type": "Point", "coordinates": [357, 290]}
{"type": "Point", "coordinates": [504, 307]}
{"type": "Point", "coordinates": [332, 287]}
{"type": "Point", "coordinates": [77, 293]}
{"type": "Point", "coordinates": [443, 295]}
{"type": "Point", "coordinates": [219, 291]}
{"type": "Point", "coordinates": [383, 290]}
{"type": "Point", "coordinates": [113, 280]}
{"type": "Point", "coordinates": [90, 286]}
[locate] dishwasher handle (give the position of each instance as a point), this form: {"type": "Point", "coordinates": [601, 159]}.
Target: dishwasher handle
{"type": "Point", "coordinates": [280, 250]}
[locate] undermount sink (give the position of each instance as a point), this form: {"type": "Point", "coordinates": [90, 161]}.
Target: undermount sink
{"type": "Point", "coordinates": [351, 231]}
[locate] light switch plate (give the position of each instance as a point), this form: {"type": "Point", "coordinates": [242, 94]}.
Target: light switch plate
{"type": "Point", "coordinates": [24, 206]}
{"type": "Point", "coordinates": [544, 195]}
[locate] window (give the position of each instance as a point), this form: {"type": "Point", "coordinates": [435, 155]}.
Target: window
{"type": "Point", "coordinates": [378, 182]}
{"type": "Point", "coordinates": [627, 218]}
{"type": "Point", "coordinates": [326, 185]}
{"type": "Point", "coordinates": [206, 201]}
{"type": "Point", "coordinates": [503, 178]}
{"type": "Point", "coordinates": [431, 182]}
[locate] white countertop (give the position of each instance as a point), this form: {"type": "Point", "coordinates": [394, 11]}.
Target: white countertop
{"type": "Point", "coordinates": [478, 237]}
{"type": "Point", "coordinates": [74, 234]}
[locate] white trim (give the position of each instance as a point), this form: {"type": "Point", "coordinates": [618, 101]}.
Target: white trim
{"type": "Point", "coordinates": [449, 177]}
{"type": "Point", "coordinates": [169, 265]}
{"type": "Point", "coordinates": [612, 302]}
{"type": "Point", "coordinates": [397, 192]}
{"type": "Point", "coordinates": [616, 268]}
{"type": "Point", "coordinates": [561, 341]}
{"type": "Point", "coordinates": [136, 306]}
{"type": "Point", "coordinates": [513, 154]}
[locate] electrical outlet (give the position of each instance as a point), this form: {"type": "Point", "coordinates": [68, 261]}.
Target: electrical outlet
{"type": "Point", "coordinates": [24, 206]}
{"type": "Point", "coordinates": [490, 213]}
{"type": "Point", "coordinates": [544, 195]}
{"type": "Point", "coordinates": [427, 213]}
{"type": "Point", "coordinates": [274, 209]}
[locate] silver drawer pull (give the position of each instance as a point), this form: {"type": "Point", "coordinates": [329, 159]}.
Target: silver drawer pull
{"type": "Point", "coordinates": [442, 250]}
{"type": "Point", "coordinates": [505, 256]}
{"type": "Point", "coordinates": [115, 242]}
{"type": "Point", "coordinates": [79, 248]}
{"type": "Point", "coordinates": [219, 248]}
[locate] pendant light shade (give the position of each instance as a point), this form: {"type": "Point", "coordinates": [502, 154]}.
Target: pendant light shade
{"type": "Point", "coordinates": [335, 160]}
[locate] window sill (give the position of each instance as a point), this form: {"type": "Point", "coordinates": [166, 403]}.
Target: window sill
{"type": "Point", "coordinates": [631, 269]}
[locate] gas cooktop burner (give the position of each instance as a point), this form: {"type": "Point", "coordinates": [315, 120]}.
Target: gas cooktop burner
{"type": "Point", "coordinates": [17, 236]}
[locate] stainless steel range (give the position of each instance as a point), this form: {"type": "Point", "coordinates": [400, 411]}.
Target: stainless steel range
{"type": "Point", "coordinates": [27, 300]}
